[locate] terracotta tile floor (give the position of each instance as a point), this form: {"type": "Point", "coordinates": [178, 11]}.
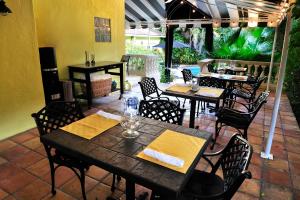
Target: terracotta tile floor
{"type": "Point", "coordinates": [24, 169]}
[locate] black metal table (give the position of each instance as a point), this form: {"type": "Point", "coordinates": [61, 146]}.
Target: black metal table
{"type": "Point", "coordinates": [116, 154]}
{"type": "Point", "coordinates": [87, 70]}
{"type": "Point", "coordinates": [193, 99]}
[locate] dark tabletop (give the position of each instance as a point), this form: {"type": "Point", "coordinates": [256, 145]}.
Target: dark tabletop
{"type": "Point", "coordinates": [116, 154]}
{"type": "Point", "coordinates": [97, 64]}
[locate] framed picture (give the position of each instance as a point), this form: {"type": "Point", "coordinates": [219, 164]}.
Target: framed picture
{"type": "Point", "coordinates": [102, 29]}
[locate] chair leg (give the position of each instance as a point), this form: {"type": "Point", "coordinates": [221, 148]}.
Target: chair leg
{"type": "Point", "coordinates": [82, 183]}
{"type": "Point", "coordinates": [198, 108]}
{"type": "Point", "coordinates": [52, 170]}
{"type": "Point", "coordinates": [183, 103]}
{"type": "Point", "coordinates": [217, 131]}
{"type": "Point", "coordinates": [113, 187]}
{"type": "Point", "coordinates": [245, 134]}
{"type": "Point", "coordinates": [118, 178]}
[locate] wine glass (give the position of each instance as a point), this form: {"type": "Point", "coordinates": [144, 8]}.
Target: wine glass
{"type": "Point", "coordinates": [130, 119]}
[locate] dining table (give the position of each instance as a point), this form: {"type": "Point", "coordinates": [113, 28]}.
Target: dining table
{"type": "Point", "coordinates": [110, 151]}
{"type": "Point", "coordinates": [206, 94]}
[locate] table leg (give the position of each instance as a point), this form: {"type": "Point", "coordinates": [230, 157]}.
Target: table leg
{"type": "Point", "coordinates": [192, 113]}
{"type": "Point", "coordinates": [121, 81]}
{"type": "Point", "coordinates": [88, 89]}
{"type": "Point", "coordinates": [71, 77]}
{"type": "Point", "coordinates": [130, 190]}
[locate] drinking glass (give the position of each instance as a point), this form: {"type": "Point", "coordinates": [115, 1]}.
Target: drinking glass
{"type": "Point", "coordinates": [130, 119]}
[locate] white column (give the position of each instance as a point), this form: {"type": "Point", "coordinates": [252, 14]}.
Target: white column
{"type": "Point", "coordinates": [267, 154]}
{"type": "Point", "coordinates": [272, 59]}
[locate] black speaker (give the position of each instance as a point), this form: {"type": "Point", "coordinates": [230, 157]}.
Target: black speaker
{"type": "Point", "coordinates": [52, 85]}
{"type": "Point", "coordinates": [47, 57]}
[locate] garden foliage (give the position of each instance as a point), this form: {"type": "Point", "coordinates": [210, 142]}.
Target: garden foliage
{"type": "Point", "coordinates": [244, 43]}
{"type": "Point", "coordinates": [292, 75]}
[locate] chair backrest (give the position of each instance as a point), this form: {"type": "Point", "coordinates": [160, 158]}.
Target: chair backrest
{"type": "Point", "coordinates": [162, 110]}
{"type": "Point", "coordinates": [234, 160]}
{"type": "Point", "coordinates": [204, 81]}
{"type": "Point", "coordinates": [258, 103]}
{"type": "Point", "coordinates": [218, 83]}
{"type": "Point", "coordinates": [148, 87]}
{"type": "Point", "coordinates": [258, 82]}
{"type": "Point", "coordinates": [210, 67]}
{"type": "Point", "coordinates": [55, 115]}
{"type": "Point", "coordinates": [187, 75]}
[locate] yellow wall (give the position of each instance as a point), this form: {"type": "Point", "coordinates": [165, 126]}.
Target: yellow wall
{"type": "Point", "coordinates": [20, 89]}
{"type": "Point", "coordinates": [68, 26]}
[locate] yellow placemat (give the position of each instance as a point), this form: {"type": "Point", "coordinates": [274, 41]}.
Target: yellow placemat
{"type": "Point", "coordinates": [179, 88]}
{"type": "Point", "coordinates": [210, 92]}
{"type": "Point", "coordinates": [90, 126]}
{"type": "Point", "coordinates": [175, 144]}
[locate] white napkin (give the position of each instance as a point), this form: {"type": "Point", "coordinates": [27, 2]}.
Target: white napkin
{"type": "Point", "coordinates": [109, 115]}
{"type": "Point", "coordinates": [164, 157]}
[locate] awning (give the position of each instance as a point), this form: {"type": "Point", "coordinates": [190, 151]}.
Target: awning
{"type": "Point", "coordinates": [144, 13]}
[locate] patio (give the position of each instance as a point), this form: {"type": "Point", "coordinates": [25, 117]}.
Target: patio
{"type": "Point", "coordinates": [24, 166]}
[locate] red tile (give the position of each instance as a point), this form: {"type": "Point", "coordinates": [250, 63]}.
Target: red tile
{"type": "Point", "coordinates": [27, 159]}
{"type": "Point", "coordinates": [278, 164]}
{"type": "Point", "coordinates": [6, 144]}
{"type": "Point", "coordinates": [296, 182]}
{"type": "Point", "coordinates": [243, 196]}
{"type": "Point", "coordinates": [73, 187]}
{"type": "Point", "coordinates": [58, 196]}
{"type": "Point", "coordinates": [276, 177]}
{"type": "Point", "coordinates": [3, 194]}
{"type": "Point", "coordinates": [295, 168]}
{"type": "Point", "coordinates": [255, 171]}
{"type": "Point", "coordinates": [251, 186]}
{"type": "Point", "coordinates": [14, 152]}
{"type": "Point", "coordinates": [41, 150]}
{"type": "Point", "coordinates": [33, 143]}
{"type": "Point", "coordinates": [255, 140]}
{"type": "Point", "coordinates": [276, 192]}
{"type": "Point", "coordinates": [293, 148]}
{"type": "Point", "coordinates": [120, 185]}
{"type": "Point", "coordinates": [20, 138]}
{"type": "Point", "coordinates": [96, 173]}
{"type": "Point", "coordinates": [102, 191]}
{"type": "Point", "coordinates": [294, 157]}
{"type": "Point", "coordinates": [34, 191]}
{"type": "Point", "coordinates": [40, 168]}
{"type": "Point", "coordinates": [256, 159]}
{"type": "Point", "coordinates": [2, 160]}
{"type": "Point", "coordinates": [13, 178]}
{"type": "Point", "coordinates": [62, 175]}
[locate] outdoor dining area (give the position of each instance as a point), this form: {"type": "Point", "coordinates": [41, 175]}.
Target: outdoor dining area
{"type": "Point", "coordinates": [227, 131]}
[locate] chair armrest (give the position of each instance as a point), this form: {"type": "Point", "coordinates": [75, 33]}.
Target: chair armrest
{"type": "Point", "coordinates": [245, 105]}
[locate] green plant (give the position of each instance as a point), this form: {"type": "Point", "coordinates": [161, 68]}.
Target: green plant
{"type": "Point", "coordinates": [243, 43]}
{"type": "Point", "coordinates": [292, 82]}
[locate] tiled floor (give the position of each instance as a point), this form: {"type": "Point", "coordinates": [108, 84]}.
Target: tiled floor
{"type": "Point", "coordinates": [24, 169]}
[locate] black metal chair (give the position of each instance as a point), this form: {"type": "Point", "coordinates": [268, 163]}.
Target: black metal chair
{"type": "Point", "coordinates": [210, 82]}
{"type": "Point", "coordinates": [150, 90]}
{"type": "Point", "coordinates": [210, 68]}
{"type": "Point", "coordinates": [53, 116]}
{"type": "Point", "coordinates": [187, 76]}
{"type": "Point", "coordinates": [248, 91]}
{"type": "Point", "coordinates": [234, 160]}
{"type": "Point", "coordinates": [162, 110]}
{"type": "Point", "coordinates": [238, 119]}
